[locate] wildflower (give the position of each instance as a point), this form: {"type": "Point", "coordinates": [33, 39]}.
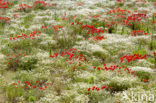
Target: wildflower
{"type": "Point", "coordinates": [26, 81]}
{"type": "Point", "coordinates": [33, 86]}
{"type": "Point", "coordinates": [14, 83]}
{"type": "Point", "coordinates": [98, 68]}
{"type": "Point", "coordinates": [16, 61]}
{"type": "Point", "coordinates": [93, 88]}
{"type": "Point", "coordinates": [103, 87]}
{"type": "Point", "coordinates": [56, 54]}
{"type": "Point", "coordinates": [97, 89]}
{"type": "Point", "coordinates": [144, 80]}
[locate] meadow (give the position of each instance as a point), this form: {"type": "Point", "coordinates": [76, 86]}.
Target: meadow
{"type": "Point", "coordinates": [77, 51]}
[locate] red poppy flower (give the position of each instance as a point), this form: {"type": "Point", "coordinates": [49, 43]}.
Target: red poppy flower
{"type": "Point", "coordinates": [144, 80]}
{"type": "Point", "coordinates": [14, 83]}
{"type": "Point", "coordinates": [34, 86]}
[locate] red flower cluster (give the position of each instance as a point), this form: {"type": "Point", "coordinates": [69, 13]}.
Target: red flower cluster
{"type": "Point", "coordinates": [135, 17]}
{"type": "Point", "coordinates": [91, 28]}
{"type": "Point", "coordinates": [32, 35]}
{"type": "Point", "coordinates": [138, 32]}
{"type": "Point", "coordinates": [145, 80]}
{"type": "Point", "coordinates": [96, 16]}
{"type": "Point", "coordinates": [97, 88]}
{"type": "Point", "coordinates": [98, 38]}
{"type": "Point", "coordinates": [28, 85]}
{"type": "Point", "coordinates": [14, 57]}
{"type": "Point", "coordinates": [6, 19]}
{"type": "Point", "coordinates": [112, 68]}
{"type": "Point", "coordinates": [122, 11]}
{"type": "Point", "coordinates": [154, 53]}
{"type": "Point", "coordinates": [56, 27]}
{"type": "Point", "coordinates": [141, 1]}
{"type": "Point", "coordinates": [24, 6]}
{"type": "Point", "coordinates": [70, 55]}
{"type": "Point", "coordinates": [43, 27]}
{"type": "Point", "coordinates": [36, 3]}
{"type": "Point", "coordinates": [133, 57]}
{"type": "Point", "coordinates": [4, 4]}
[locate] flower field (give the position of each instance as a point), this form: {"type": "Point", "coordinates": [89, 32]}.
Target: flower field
{"type": "Point", "coordinates": [77, 51]}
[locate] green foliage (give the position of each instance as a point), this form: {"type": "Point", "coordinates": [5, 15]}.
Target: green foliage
{"type": "Point", "coordinates": [96, 62]}
{"type": "Point", "coordinates": [100, 55]}
{"type": "Point", "coordinates": [39, 7]}
{"type": "Point", "coordinates": [120, 4]}
{"type": "Point", "coordinates": [91, 80]}
{"type": "Point", "coordinates": [28, 65]}
{"type": "Point", "coordinates": [32, 99]}
{"type": "Point", "coordinates": [141, 51]}
{"type": "Point", "coordinates": [152, 44]}
{"type": "Point", "coordinates": [33, 95]}
{"type": "Point", "coordinates": [65, 43]}
{"type": "Point", "coordinates": [116, 86]}
{"type": "Point", "coordinates": [112, 29]}
{"type": "Point", "coordinates": [28, 19]}
{"type": "Point", "coordinates": [143, 75]}
{"type": "Point", "coordinates": [12, 93]}
{"type": "Point", "coordinates": [26, 45]}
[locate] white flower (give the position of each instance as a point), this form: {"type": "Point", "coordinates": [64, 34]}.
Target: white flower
{"type": "Point", "coordinates": [142, 69]}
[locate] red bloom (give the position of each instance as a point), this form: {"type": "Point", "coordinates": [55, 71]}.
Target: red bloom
{"type": "Point", "coordinates": [144, 80]}
{"type": "Point", "coordinates": [103, 87]}
{"type": "Point", "coordinates": [14, 83]}
{"type": "Point", "coordinates": [98, 68]}
{"type": "Point", "coordinates": [97, 89]}
{"type": "Point", "coordinates": [104, 64]}
{"type": "Point", "coordinates": [33, 86]}
{"type": "Point", "coordinates": [94, 67]}
{"type": "Point", "coordinates": [93, 88]}
{"type": "Point", "coordinates": [56, 54]}
{"type": "Point", "coordinates": [51, 56]}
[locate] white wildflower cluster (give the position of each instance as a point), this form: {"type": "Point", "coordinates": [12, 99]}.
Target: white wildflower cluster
{"type": "Point", "coordinates": [82, 98]}
{"type": "Point", "coordinates": [143, 63]}
{"type": "Point", "coordinates": [85, 74]}
{"type": "Point", "coordinates": [142, 69]}
{"type": "Point", "coordinates": [49, 98]}
{"type": "Point", "coordinates": [42, 54]}
{"type": "Point", "coordinates": [125, 80]}
{"type": "Point", "coordinates": [1, 56]}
